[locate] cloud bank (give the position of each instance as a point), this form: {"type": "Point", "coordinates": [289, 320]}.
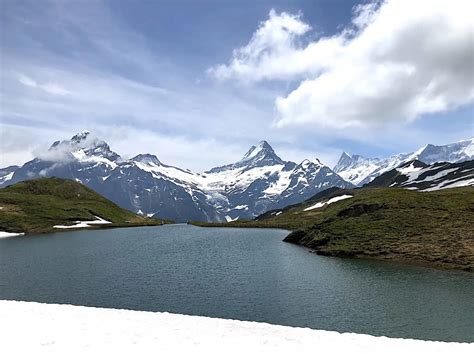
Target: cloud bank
{"type": "Point", "coordinates": [396, 61]}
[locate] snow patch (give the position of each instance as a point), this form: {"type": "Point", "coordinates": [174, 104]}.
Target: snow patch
{"type": "Point", "coordinates": [6, 177]}
{"type": "Point", "coordinates": [277, 187]}
{"type": "Point", "coordinates": [328, 202]}
{"type": "Point", "coordinates": [8, 234]}
{"type": "Point", "coordinates": [84, 224]}
{"type": "Point", "coordinates": [409, 169]}
{"type": "Point", "coordinates": [241, 207]}
{"type": "Point", "coordinates": [461, 182]}
{"type": "Point", "coordinates": [84, 158]}
{"type": "Point", "coordinates": [439, 175]}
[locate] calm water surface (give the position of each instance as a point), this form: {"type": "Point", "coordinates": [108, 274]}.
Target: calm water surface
{"type": "Point", "coordinates": [246, 274]}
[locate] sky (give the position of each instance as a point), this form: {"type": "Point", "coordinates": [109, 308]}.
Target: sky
{"type": "Point", "coordinates": [199, 82]}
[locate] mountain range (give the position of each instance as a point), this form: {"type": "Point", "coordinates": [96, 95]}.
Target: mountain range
{"type": "Point", "coordinates": [360, 170]}
{"type": "Point", "coordinates": [259, 182]}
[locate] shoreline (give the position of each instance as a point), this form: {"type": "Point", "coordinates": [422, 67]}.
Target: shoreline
{"type": "Point", "coordinates": [384, 258]}
{"type": "Point", "coordinates": [90, 228]}
{"type": "Point", "coordinates": [394, 258]}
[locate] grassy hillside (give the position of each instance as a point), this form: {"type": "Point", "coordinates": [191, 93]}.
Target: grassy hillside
{"type": "Point", "coordinates": [35, 206]}
{"type": "Point", "coordinates": [436, 228]}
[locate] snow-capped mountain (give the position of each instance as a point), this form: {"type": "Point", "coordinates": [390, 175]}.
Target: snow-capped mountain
{"type": "Point", "coordinates": [416, 175]}
{"type": "Point", "coordinates": [262, 180]}
{"type": "Point", "coordinates": [360, 170]}
{"type": "Point", "coordinates": [259, 181]}
{"type": "Point", "coordinates": [82, 158]}
{"type": "Point", "coordinates": [454, 152]}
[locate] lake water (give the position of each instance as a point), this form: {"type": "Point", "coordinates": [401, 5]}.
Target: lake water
{"type": "Point", "coordinates": [246, 274]}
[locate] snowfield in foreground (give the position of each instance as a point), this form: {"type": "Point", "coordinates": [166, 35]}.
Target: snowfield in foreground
{"type": "Point", "coordinates": [35, 328]}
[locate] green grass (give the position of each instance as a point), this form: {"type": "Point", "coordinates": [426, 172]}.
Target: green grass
{"type": "Point", "coordinates": [35, 206]}
{"type": "Point", "coordinates": [435, 228]}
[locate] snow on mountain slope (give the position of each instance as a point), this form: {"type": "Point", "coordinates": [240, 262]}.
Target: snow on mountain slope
{"type": "Point", "coordinates": [244, 189]}
{"type": "Point", "coordinates": [360, 170]}
{"type": "Point", "coordinates": [6, 174]}
{"type": "Point", "coordinates": [453, 152]}
{"type": "Point", "coordinates": [416, 175]}
{"type": "Point", "coordinates": [262, 180]}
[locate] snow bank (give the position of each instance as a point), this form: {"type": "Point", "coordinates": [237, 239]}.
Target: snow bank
{"type": "Point", "coordinates": [230, 219]}
{"type": "Point", "coordinates": [8, 235]}
{"type": "Point", "coordinates": [35, 328]}
{"type": "Point", "coordinates": [328, 202]}
{"type": "Point", "coordinates": [84, 224]}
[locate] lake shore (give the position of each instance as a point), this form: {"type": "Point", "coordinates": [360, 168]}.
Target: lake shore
{"type": "Point", "coordinates": [430, 228]}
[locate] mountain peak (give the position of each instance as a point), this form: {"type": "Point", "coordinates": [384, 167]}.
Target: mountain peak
{"type": "Point", "coordinates": [261, 154]}
{"type": "Point", "coordinates": [258, 155]}
{"type": "Point", "coordinates": [344, 162]}
{"type": "Point", "coordinates": [81, 144]}
{"type": "Point", "coordinates": [307, 163]}
{"type": "Point", "coordinates": [81, 136]}
{"type": "Point", "coordinates": [454, 152]}
{"type": "Point", "coordinates": [148, 159]}
{"type": "Point", "coordinates": [255, 150]}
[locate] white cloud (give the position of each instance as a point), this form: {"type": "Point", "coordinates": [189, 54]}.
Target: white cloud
{"type": "Point", "coordinates": [49, 87]}
{"type": "Point", "coordinates": [396, 61]}
{"type": "Point", "coordinates": [265, 55]}
{"type": "Point", "coordinates": [27, 81]}
{"type": "Point", "coordinates": [21, 144]}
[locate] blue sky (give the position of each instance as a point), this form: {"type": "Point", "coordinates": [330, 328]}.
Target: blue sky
{"type": "Point", "coordinates": [198, 82]}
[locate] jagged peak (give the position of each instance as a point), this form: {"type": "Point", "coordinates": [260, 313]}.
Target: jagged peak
{"type": "Point", "coordinates": [344, 161]}
{"type": "Point", "coordinates": [345, 155]}
{"type": "Point", "coordinates": [82, 139]}
{"type": "Point", "coordinates": [306, 163]}
{"type": "Point", "coordinates": [81, 136]}
{"type": "Point", "coordinates": [255, 150]}
{"type": "Point", "coordinates": [83, 143]}
{"type": "Point", "coordinates": [261, 154]}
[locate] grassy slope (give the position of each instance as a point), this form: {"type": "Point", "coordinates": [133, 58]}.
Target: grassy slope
{"type": "Point", "coordinates": [429, 227]}
{"type": "Point", "coordinates": [35, 206]}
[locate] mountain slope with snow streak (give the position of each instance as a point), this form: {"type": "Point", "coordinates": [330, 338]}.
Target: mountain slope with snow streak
{"type": "Point", "coordinates": [416, 175]}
